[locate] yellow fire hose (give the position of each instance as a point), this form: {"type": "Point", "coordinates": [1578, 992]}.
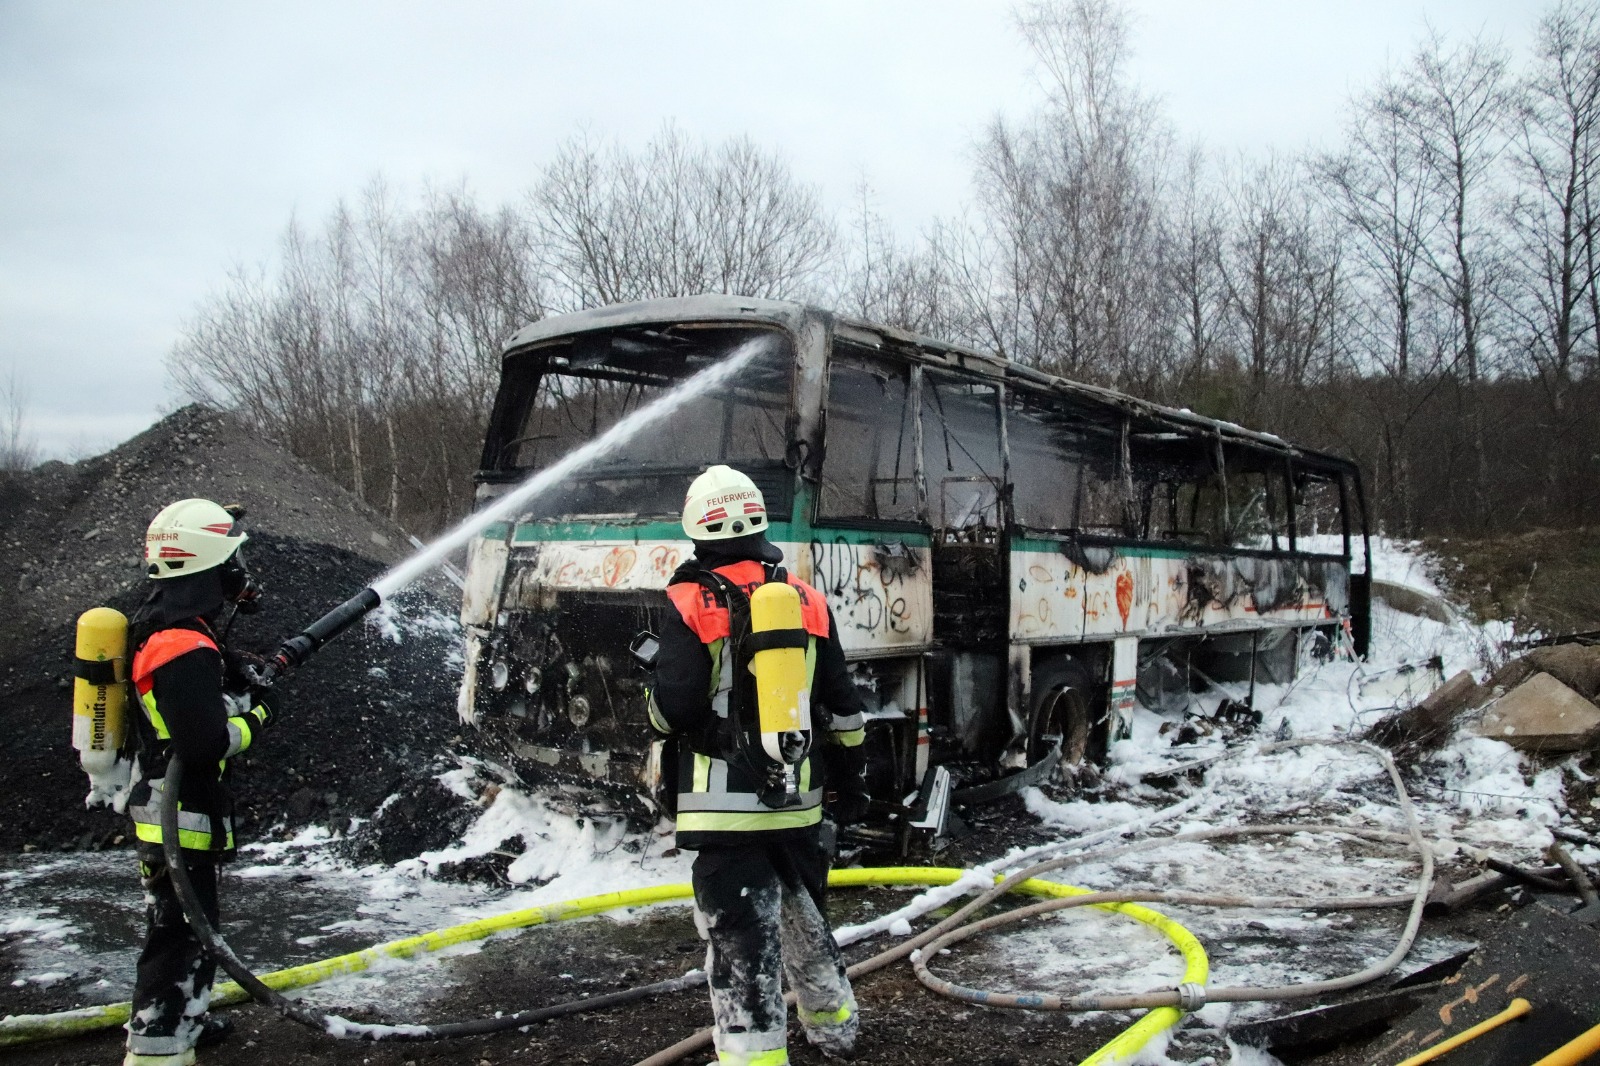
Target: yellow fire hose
{"type": "Point", "coordinates": [1196, 966]}
{"type": "Point", "coordinates": [1574, 1051]}
{"type": "Point", "coordinates": [30, 1028]}
{"type": "Point", "coordinates": [1517, 1009]}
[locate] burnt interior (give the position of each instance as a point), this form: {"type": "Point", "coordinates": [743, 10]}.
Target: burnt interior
{"type": "Point", "coordinates": [565, 393]}
{"type": "Point", "coordinates": [562, 677]}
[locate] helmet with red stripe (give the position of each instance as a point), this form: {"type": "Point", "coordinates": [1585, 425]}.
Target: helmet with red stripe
{"type": "Point", "coordinates": [190, 536]}
{"type": "Point", "coordinates": [723, 503]}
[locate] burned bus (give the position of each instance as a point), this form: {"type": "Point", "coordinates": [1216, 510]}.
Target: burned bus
{"type": "Point", "coordinates": [1013, 560]}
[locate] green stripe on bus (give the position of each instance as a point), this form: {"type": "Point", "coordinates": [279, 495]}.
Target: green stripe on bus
{"type": "Point", "coordinates": [910, 538]}
{"type": "Point", "coordinates": [534, 532]}
{"type": "Point", "coordinates": [780, 532]}
{"type": "Point", "coordinates": [1146, 551]}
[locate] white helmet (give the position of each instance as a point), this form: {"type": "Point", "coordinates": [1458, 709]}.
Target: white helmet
{"type": "Point", "coordinates": [722, 504]}
{"type": "Point", "coordinates": [190, 536]}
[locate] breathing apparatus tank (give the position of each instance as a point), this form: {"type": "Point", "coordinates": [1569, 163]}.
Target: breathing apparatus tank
{"type": "Point", "coordinates": [99, 695]}
{"type": "Point", "coordinates": [778, 643]}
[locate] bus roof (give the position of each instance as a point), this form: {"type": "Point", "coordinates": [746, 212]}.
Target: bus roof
{"type": "Point", "coordinates": [790, 315]}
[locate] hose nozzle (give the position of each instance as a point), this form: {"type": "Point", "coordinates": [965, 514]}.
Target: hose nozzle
{"type": "Point", "coordinates": [300, 647]}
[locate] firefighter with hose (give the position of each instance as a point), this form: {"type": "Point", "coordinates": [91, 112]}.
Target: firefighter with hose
{"type": "Point", "coordinates": [196, 700]}
{"type": "Point", "coordinates": [751, 686]}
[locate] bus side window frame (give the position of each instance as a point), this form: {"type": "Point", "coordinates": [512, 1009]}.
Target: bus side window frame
{"type": "Point", "coordinates": [934, 512]}
{"type": "Point", "coordinates": [864, 359]}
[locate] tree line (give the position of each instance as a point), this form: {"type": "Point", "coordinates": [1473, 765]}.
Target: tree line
{"type": "Point", "coordinates": [1423, 296]}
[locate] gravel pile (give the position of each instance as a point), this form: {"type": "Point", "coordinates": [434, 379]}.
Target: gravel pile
{"type": "Point", "coordinates": [371, 717]}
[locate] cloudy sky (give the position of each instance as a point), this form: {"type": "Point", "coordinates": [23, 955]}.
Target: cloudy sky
{"type": "Point", "coordinates": [147, 148]}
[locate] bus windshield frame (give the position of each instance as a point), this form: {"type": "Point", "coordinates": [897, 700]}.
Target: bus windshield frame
{"type": "Point", "coordinates": [564, 392]}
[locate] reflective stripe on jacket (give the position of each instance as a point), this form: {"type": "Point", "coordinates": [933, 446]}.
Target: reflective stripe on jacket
{"type": "Point", "coordinates": [720, 796]}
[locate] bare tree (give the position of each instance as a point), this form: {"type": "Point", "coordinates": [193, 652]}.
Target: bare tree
{"type": "Point", "coordinates": [1380, 188]}
{"type": "Point", "coordinates": [1193, 262]}
{"type": "Point", "coordinates": [1551, 222]}
{"type": "Point", "coordinates": [18, 450]}
{"type": "Point", "coordinates": [372, 350]}
{"type": "Point", "coordinates": [1456, 102]}
{"type": "Point", "coordinates": [477, 282]}
{"type": "Point", "coordinates": [1071, 215]}
{"type": "Point", "coordinates": [677, 219]}
{"type": "Point", "coordinates": [1281, 274]}
{"type": "Point", "coordinates": [884, 282]}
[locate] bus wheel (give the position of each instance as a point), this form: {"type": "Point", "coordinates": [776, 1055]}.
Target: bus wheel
{"type": "Point", "coordinates": [1061, 710]}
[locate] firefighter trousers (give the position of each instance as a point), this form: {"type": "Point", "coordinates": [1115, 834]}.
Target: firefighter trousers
{"type": "Point", "coordinates": [173, 984]}
{"type": "Point", "coordinates": [760, 907]}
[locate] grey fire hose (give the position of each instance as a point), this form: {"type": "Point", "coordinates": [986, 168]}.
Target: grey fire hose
{"type": "Point", "coordinates": [1194, 998]}
{"type": "Point", "coordinates": [1187, 997]}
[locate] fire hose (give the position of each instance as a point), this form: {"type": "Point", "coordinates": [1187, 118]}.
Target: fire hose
{"type": "Point", "coordinates": [1189, 996]}
{"type": "Point", "coordinates": [22, 1029]}
{"type": "Point", "coordinates": [290, 654]}
{"type": "Point", "coordinates": [1195, 999]}
{"type": "Point", "coordinates": [29, 1028]}
{"type": "Point", "coordinates": [334, 1025]}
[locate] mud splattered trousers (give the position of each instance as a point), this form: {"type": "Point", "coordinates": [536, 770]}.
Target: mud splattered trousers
{"type": "Point", "coordinates": [760, 907]}
{"type": "Point", "coordinates": [173, 985]}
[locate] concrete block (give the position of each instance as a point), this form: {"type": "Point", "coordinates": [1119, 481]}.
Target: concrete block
{"type": "Point", "coordinates": [1542, 714]}
{"type": "Point", "coordinates": [1574, 665]}
{"type": "Point", "coordinates": [1432, 718]}
{"type": "Point", "coordinates": [1510, 675]}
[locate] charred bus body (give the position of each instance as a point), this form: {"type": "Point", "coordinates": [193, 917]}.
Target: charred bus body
{"type": "Point", "coordinates": [1013, 560]}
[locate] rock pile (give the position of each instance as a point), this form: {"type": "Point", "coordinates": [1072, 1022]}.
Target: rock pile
{"type": "Point", "coordinates": [371, 717]}
{"type": "Point", "coordinates": [1547, 700]}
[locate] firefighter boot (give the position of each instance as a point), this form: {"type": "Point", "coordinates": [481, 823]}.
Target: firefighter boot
{"type": "Point", "coordinates": [213, 1030]}
{"type": "Point", "coordinates": [832, 1032]}
{"type": "Point", "coordinates": [182, 1058]}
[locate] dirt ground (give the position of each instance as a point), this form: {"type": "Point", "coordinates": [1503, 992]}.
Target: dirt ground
{"type": "Point", "coordinates": [902, 1023]}
{"type": "Point", "coordinates": [1545, 579]}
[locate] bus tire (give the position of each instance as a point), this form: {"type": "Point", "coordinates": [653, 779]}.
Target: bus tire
{"type": "Point", "coordinates": [1061, 705]}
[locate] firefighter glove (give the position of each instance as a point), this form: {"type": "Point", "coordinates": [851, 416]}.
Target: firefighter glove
{"type": "Point", "coordinates": [847, 778]}
{"type": "Point", "coordinates": [850, 806]}
{"type": "Point", "coordinates": [263, 707]}
{"type": "Point", "coordinates": [241, 669]}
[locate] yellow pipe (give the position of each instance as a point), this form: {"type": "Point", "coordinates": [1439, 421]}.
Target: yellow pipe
{"type": "Point", "coordinates": [1123, 1046]}
{"type": "Point", "coordinates": [1517, 1008]}
{"type": "Point", "coordinates": [1569, 1054]}
{"type": "Point", "coordinates": [29, 1028]}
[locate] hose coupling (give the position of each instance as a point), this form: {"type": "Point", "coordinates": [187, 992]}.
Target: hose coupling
{"type": "Point", "coordinates": [1191, 996]}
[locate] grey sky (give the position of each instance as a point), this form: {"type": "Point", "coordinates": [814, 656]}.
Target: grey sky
{"type": "Point", "coordinates": [147, 148]}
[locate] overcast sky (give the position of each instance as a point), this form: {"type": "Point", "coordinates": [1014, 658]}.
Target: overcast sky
{"type": "Point", "coordinates": [147, 148]}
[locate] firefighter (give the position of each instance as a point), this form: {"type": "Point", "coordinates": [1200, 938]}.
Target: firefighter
{"type": "Point", "coordinates": [762, 863]}
{"type": "Point", "coordinates": [195, 701]}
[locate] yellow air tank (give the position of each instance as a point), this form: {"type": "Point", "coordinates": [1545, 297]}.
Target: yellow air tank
{"type": "Point", "coordinates": [98, 691]}
{"type": "Point", "coordinates": [783, 697]}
